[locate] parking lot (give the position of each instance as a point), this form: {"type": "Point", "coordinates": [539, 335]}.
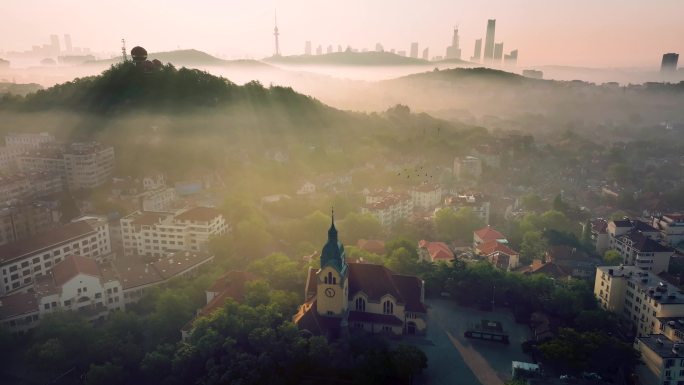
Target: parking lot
{"type": "Point", "coordinates": [454, 359]}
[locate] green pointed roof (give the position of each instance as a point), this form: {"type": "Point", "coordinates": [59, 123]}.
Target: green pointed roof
{"type": "Point", "coordinates": [333, 251]}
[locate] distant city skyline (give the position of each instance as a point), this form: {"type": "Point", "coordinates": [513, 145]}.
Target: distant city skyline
{"type": "Point", "coordinates": [578, 33]}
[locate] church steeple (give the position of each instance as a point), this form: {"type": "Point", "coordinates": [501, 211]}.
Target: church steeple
{"type": "Point", "coordinates": [332, 231]}
{"type": "Point", "coordinates": [333, 250]}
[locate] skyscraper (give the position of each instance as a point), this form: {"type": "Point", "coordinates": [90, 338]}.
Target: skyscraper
{"type": "Point", "coordinates": [414, 50]}
{"type": "Point", "coordinates": [319, 50]}
{"type": "Point", "coordinates": [54, 45]}
{"type": "Point", "coordinates": [498, 53]}
{"type": "Point", "coordinates": [478, 51]}
{"type": "Point", "coordinates": [307, 47]}
{"type": "Point", "coordinates": [329, 49]}
{"type": "Point", "coordinates": [426, 53]}
{"type": "Point", "coordinates": [67, 43]}
{"type": "Point", "coordinates": [379, 47]}
{"type": "Point", "coordinates": [669, 63]}
{"type": "Point", "coordinates": [454, 50]}
{"type": "Point", "coordinates": [511, 59]}
{"type": "Point", "coordinates": [489, 41]}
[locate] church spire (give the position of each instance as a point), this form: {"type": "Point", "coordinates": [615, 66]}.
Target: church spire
{"type": "Point", "coordinates": [332, 231]}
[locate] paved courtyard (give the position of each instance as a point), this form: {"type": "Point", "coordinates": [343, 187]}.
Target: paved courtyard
{"type": "Point", "coordinates": [454, 359]}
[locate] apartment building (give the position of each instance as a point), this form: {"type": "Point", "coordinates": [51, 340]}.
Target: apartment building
{"type": "Point", "coordinates": [157, 233]}
{"type": "Point", "coordinates": [93, 289]}
{"type": "Point", "coordinates": [388, 208]}
{"type": "Point", "coordinates": [23, 261]}
{"type": "Point", "coordinates": [476, 202]}
{"type": "Point", "coordinates": [81, 165]}
{"type": "Point", "coordinates": [21, 221]}
{"type": "Point", "coordinates": [426, 196]}
{"type": "Point", "coordinates": [9, 157]}
{"type": "Point", "coordinates": [638, 245]}
{"type": "Point", "coordinates": [671, 228]}
{"type": "Point", "coordinates": [161, 199]}
{"type": "Point", "coordinates": [599, 235]}
{"type": "Point", "coordinates": [663, 359]}
{"type": "Point", "coordinates": [640, 297]}
{"type": "Point", "coordinates": [468, 167]}
{"type": "Point", "coordinates": [28, 140]}
{"type": "Point", "coordinates": [21, 186]}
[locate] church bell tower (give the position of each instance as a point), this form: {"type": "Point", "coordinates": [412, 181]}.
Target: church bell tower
{"type": "Point", "coordinates": [333, 284]}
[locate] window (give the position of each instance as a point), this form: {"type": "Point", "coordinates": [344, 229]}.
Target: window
{"type": "Point", "coordinates": [387, 329]}
{"type": "Point", "coordinates": [388, 307]}
{"type": "Point", "coordinates": [360, 304]}
{"type": "Point", "coordinates": [67, 303]}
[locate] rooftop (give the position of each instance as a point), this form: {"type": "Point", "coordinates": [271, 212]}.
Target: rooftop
{"type": "Point", "coordinates": [200, 214]}
{"type": "Point", "coordinates": [660, 290]}
{"type": "Point", "coordinates": [58, 235]}
{"type": "Point", "coordinates": [488, 233]}
{"type": "Point", "coordinates": [17, 304]}
{"type": "Point", "coordinates": [662, 346]}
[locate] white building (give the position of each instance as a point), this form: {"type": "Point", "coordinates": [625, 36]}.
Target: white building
{"type": "Point", "coordinates": [157, 233]}
{"type": "Point", "coordinates": [638, 296]}
{"type": "Point", "coordinates": [389, 209]}
{"type": "Point", "coordinates": [161, 199]}
{"type": "Point", "coordinates": [28, 140]}
{"type": "Point", "coordinates": [671, 227]}
{"type": "Point", "coordinates": [81, 165]}
{"type": "Point", "coordinates": [22, 186]}
{"type": "Point", "coordinates": [663, 360]}
{"type": "Point", "coordinates": [636, 241]}
{"type": "Point", "coordinates": [426, 196]}
{"type": "Point", "coordinates": [9, 157]}
{"type": "Point", "coordinates": [468, 167]}
{"type": "Point", "coordinates": [476, 202]}
{"type": "Point", "coordinates": [153, 182]}
{"type": "Point", "coordinates": [23, 261]}
{"type": "Point", "coordinates": [306, 188]}
{"type": "Point", "coordinates": [93, 289]}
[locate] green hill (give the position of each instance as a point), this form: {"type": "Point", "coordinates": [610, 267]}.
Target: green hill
{"type": "Point", "coordinates": [124, 87]}
{"type": "Point", "coordinates": [190, 58]}
{"type": "Point", "coordinates": [349, 58]}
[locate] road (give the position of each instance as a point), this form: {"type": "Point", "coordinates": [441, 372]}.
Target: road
{"type": "Point", "coordinates": [454, 359]}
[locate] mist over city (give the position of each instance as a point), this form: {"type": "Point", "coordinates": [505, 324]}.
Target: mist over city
{"type": "Point", "coordinates": [298, 192]}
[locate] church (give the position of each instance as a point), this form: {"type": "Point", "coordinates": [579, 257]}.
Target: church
{"type": "Point", "coordinates": [341, 296]}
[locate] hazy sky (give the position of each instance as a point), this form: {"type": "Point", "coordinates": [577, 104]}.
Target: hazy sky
{"type": "Point", "coordinates": [569, 32]}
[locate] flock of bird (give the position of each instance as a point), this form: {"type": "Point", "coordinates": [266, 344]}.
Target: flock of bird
{"type": "Point", "coordinates": [418, 172]}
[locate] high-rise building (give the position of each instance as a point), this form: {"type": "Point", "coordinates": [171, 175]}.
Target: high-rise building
{"type": "Point", "coordinates": [454, 51]}
{"type": "Point", "coordinates": [54, 45]}
{"type": "Point", "coordinates": [329, 49]}
{"type": "Point", "coordinates": [511, 59]}
{"type": "Point", "coordinates": [379, 47]}
{"type": "Point", "coordinates": [489, 41]}
{"type": "Point", "coordinates": [414, 50]}
{"type": "Point", "coordinates": [307, 47]}
{"type": "Point", "coordinates": [67, 43]}
{"type": "Point", "coordinates": [478, 51]}
{"type": "Point", "coordinates": [669, 63]}
{"type": "Point", "coordinates": [426, 53]}
{"type": "Point", "coordinates": [319, 50]}
{"type": "Point", "coordinates": [498, 53]}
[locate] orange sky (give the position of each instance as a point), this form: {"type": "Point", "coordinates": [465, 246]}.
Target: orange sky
{"type": "Point", "coordinates": [611, 33]}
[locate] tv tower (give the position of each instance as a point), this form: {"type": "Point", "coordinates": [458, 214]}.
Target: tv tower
{"type": "Point", "coordinates": [276, 34]}
{"type": "Point", "coordinates": [124, 56]}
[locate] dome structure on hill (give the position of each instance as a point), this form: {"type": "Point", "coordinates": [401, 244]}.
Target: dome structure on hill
{"type": "Point", "coordinates": [139, 54]}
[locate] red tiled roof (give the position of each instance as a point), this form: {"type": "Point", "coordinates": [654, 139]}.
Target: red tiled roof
{"type": "Point", "coordinates": [230, 285]}
{"type": "Point", "coordinates": [439, 251]}
{"type": "Point", "coordinates": [201, 214]}
{"type": "Point", "coordinates": [551, 269]}
{"type": "Point", "coordinates": [72, 266]}
{"type": "Point", "coordinates": [18, 304]}
{"type": "Point", "coordinates": [494, 246]}
{"type": "Point", "coordinates": [488, 234]}
{"type": "Point", "coordinates": [307, 318]}
{"type": "Point", "coordinates": [53, 237]}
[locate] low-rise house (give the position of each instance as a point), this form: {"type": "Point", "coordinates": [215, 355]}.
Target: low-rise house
{"type": "Point", "coordinates": [486, 234]}
{"type": "Point", "coordinates": [161, 199]}
{"type": "Point", "coordinates": [599, 235]}
{"type": "Point", "coordinates": [572, 260]}
{"type": "Point", "coordinates": [306, 188]}
{"type": "Point", "coordinates": [434, 252]}
{"type": "Point", "coordinates": [499, 254]}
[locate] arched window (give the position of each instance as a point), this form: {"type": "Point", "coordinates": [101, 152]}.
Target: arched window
{"type": "Point", "coordinates": [325, 279]}
{"type": "Point", "coordinates": [388, 307]}
{"type": "Point", "coordinates": [334, 280]}
{"type": "Point", "coordinates": [360, 304]}
{"type": "Point", "coordinates": [330, 278]}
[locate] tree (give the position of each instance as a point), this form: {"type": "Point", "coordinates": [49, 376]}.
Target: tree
{"type": "Point", "coordinates": [533, 202]}
{"type": "Point", "coordinates": [357, 226]}
{"type": "Point", "coordinates": [612, 257]}
{"type": "Point", "coordinates": [105, 374]}
{"type": "Point", "coordinates": [408, 361]}
{"type": "Point", "coordinates": [533, 246]}
{"type": "Point", "coordinates": [402, 261]}
{"type": "Point", "coordinates": [279, 270]}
